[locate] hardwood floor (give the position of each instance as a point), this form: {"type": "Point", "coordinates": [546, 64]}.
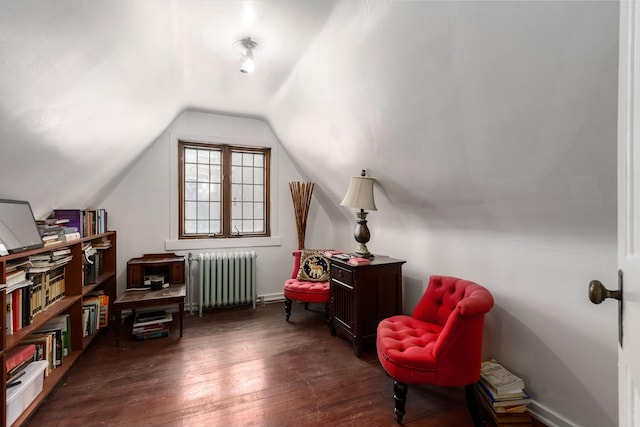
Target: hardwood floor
{"type": "Point", "coordinates": [240, 367]}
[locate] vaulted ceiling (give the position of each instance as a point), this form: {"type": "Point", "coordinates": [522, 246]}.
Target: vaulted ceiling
{"type": "Point", "coordinates": [472, 113]}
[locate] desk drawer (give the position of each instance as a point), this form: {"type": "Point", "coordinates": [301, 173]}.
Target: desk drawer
{"type": "Point", "coordinates": [341, 274]}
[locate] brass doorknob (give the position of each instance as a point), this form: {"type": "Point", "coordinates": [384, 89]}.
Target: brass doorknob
{"type": "Point", "coordinates": [598, 293]}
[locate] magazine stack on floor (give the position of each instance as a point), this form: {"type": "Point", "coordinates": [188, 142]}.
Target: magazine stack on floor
{"type": "Point", "coordinates": [502, 394]}
{"type": "Point", "coordinates": [151, 324]}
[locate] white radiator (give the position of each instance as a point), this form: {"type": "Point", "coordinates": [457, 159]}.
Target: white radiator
{"type": "Point", "coordinates": [226, 279]}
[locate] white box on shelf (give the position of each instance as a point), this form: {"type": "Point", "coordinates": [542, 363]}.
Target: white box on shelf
{"type": "Point", "coordinates": [20, 396]}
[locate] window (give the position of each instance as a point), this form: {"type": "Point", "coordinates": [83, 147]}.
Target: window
{"type": "Point", "coordinates": [224, 191]}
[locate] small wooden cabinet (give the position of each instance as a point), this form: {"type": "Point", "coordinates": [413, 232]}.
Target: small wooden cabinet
{"type": "Point", "coordinates": [168, 265]}
{"type": "Point", "coordinates": [363, 295]}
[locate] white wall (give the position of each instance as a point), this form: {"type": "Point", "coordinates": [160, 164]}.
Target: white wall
{"type": "Point", "coordinates": [143, 206]}
{"type": "Point", "coordinates": [491, 130]}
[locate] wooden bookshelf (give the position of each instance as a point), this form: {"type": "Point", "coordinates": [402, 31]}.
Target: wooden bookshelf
{"type": "Point", "coordinates": [71, 304]}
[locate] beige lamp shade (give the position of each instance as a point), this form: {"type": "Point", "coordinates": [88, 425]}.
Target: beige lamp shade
{"type": "Point", "coordinates": [360, 194]}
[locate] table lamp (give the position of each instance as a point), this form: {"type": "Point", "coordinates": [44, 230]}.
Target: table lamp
{"type": "Point", "coordinates": [360, 196]}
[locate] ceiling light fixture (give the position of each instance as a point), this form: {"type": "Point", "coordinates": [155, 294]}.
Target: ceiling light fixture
{"type": "Point", "coordinates": [245, 47]}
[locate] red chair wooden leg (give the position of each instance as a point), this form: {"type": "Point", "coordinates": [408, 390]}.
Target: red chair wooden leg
{"type": "Point", "coordinates": [287, 309]}
{"type": "Point", "coordinates": [400, 398]}
{"type": "Point", "coordinates": [472, 404]}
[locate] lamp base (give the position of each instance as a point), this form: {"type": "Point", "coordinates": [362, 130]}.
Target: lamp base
{"type": "Point", "coordinates": [361, 234]}
{"type": "Point", "coordinates": [363, 252]}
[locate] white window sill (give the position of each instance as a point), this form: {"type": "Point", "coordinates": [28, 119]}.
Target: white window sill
{"type": "Point", "coordinates": [234, 242]}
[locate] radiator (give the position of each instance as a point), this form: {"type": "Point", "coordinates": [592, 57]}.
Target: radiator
{"type": "Point", "coordinates": [226, 279]}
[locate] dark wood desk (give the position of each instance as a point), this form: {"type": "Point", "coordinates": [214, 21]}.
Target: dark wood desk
{"type": "Point", "coordinates": [133, 299]}
{"type": "Point", "coordinates": [363, 295]}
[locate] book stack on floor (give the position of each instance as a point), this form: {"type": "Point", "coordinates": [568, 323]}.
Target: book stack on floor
{"type": "Point", "coordinates": [503, 395]}
{"type": "Point", "coordinates": [151, 324]}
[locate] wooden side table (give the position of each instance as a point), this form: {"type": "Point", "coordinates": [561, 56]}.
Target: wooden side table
{"type": "Point", "coordinates": [363, 295]}
{"type": "Point", "coordinates": [134, 299]}
{"type": "Point", "coordinates": [168, 265]}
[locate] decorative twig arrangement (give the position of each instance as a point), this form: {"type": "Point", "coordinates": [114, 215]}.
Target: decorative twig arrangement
{"type": "Point", "coordinates": [301, 194]}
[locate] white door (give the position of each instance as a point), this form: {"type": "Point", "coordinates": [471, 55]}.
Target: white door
{"type": "Point", "coordinates": [629, 213]}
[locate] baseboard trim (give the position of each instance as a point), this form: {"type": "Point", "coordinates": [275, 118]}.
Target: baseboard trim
{"type": "Point", "coordinates": [548, 416]}
{"type": "Point", "coordinates": [268, 298]}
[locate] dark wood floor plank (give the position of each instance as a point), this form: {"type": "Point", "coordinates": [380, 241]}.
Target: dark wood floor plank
{"type": "Point", "coordinates": [240, 367]}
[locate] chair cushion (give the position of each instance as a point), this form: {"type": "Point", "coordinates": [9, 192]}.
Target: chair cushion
{"type": "Point", "coordinates": [408, 343]}
{"type": "Point", "coordinates": [314, 266]}
{"type": "Point", "coordinates": [305, 291]}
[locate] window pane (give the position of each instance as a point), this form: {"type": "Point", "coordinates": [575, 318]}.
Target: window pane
{"type": "Point", "coordinates": [247, 175]}
{"type": "Point", "coordinates": [203, 210]}
{"type": "Point", "coordinates": [191, 191]}
{"type": "Point", "coordinates": [203, 156]}
{"type": "Point", "coordinates": [258, 211]}
{"type": "Point", "coordinates": [214, 227]}
{"type": "Point", "coordinates": [236, 211]}
{"type": "Point", "coordinates": [236, 158]}
{"type": "Point", "coordinates": [258, 193]}
{"type": "Point", "coordinates": [247, 193]}
{"type": "Point", "coordinates": [214, 210]}
{"type": "Point", "coordinates": [258, 176]}
{"type": "Point", "coordinates": [190, 227]}
{"type": "Point", "coordinates": [215, 194]}
{"type": "Point", "coordinates": [203, 227]}
{"type": "Point", "coordinates": [216, 157]}
{"type": "Point", "coordinates": [190, 172]}
{"type": "Point", "coordinates": [203, 192]}
{"type": "Point", "coordinates": [247, 211]}
{"type": "Point", "coordinates": [236, 174]}
{"type": "Point", "coordinates": [216, 174]}
{"type": "Point", "coordinates": [247, 159]}
{"type": "Point", "coordinates": [190, 155]}
{"type": "Point", "coordinates": [236, 193]}
{"type": "Point", "coordinates": [247, 226]}
{"type": "Point", "coordinates": [236, 226]}
{"type": "Point", "coordinates": [203, 173]}
{"type": "Point", "coordinates": [258, 226]}
{"type": "Point", "coordinates": [190, 210]}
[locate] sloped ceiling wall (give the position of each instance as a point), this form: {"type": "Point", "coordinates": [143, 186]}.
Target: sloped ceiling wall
{"type": "Point", "coordinates": [470, 114]}
{"type": "Point", "coordinates": [90, 84]}
{"type": "Point", "coordinates": [489, 126]}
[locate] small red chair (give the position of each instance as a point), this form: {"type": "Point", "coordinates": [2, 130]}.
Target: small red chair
{"type": "Point", "coordinates": [304, 291]}
{"type": "Point", "coordinates": [440, 343]}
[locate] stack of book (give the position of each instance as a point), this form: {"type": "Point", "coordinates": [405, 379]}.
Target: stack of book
{"type": "Point", "coordinates": [18, 301]}
{"type": "Point", "coordinates": [503, 395]}
{"type": "Point", "coordinates": [16, 359]}
{"type": "Point", "coordinates": [86, 222]}
{"type": "Point", "coordinates": [151, 324]}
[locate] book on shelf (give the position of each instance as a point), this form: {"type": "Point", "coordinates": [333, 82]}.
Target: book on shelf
{"type": "Point", "coordinates": [90, 316]}
{"type": "Point", "coordinates": [21, 264]}
{"type": "Point", "coordinates": [68, 237]}
{"type": "Point", "coordinates": [45, 349]}
{"type": "Point", "coordinates": [498, 379]}
{"type": "Point", "coordinates": [60, 325]}
{"type": "Point", "coordinates": [18, 355]}
{"type": "Point", "coordinates": [18, 306]}
{"type": "Point", "coordinates": [101, 302]}
{"type": "Point", "coordinates": [74, 218]}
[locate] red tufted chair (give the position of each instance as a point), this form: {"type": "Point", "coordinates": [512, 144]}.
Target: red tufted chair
{"type": "Point", "coordinates": [440, 343]}
{"type": "Point", "coordinates": [297, 290]}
